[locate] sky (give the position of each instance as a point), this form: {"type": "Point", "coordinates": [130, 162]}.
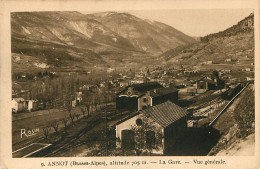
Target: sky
{"type": "Point", "coordinates": [195, 22]}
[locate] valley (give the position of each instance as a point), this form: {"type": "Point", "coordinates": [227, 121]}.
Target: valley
{"type": "Point", "coordinates": [78, 77]}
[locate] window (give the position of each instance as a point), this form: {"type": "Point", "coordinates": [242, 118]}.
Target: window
{"type": "Point", "coordinates": [128, 141]}
{"type": "Point", "coordinates": [145, 100]}
{"type": "Point", "coordinates": [139, 122]}
{"type": "Point", "coordinates": [129, 93]}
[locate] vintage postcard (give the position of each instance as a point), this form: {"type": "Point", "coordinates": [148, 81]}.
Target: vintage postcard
{"type": "Point", "coordinates": [141, 84]}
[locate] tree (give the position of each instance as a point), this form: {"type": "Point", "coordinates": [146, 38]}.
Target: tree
{"type": "Point", "coordinates": [46, 133]}
{"type": "Point", "coordinates": [96, 103]}
{"type": "Point", "coordinates": [55, 126]}
{"type": "Point", "coordinates": [142, 132]}
{"type": "Point", "coordinates": [88, 108]}
{"type": "Point", "coordinates": [83, 110]}
{"type": "Point", "coordinates": [72, 117]}
{"type": "Point", "coordinates": [77, 116]}
{"type": "Point", "coordinates": [68, 106]}
{"type": "Point", "coordinates": [65, 122]}
{"type": "Point", "coordinates": [215, 75]}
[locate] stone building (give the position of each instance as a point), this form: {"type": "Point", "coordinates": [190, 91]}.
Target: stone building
{"type": "Point", "coordinates": [140, 96]}
{"type": "Point", "coordinates": [163, 127]}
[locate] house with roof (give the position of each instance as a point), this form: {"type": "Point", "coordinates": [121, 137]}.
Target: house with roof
{"type": "Point", "coordinates": [21, 105]}
{"type": "Point", "coordinates": [250, 78]}
{"type": "Point", "coordinates": [204, 84]}
{"type": "Point", "coordinates": [163, 127]}
{"type": "Point", "coordinates": [141, 96]}
{"type": "Point", "coordinates": [18, 105]}
{"type": "Point", "coordinates": [157, 96]}
{"type": "Point", "coordinates": [31, 105]}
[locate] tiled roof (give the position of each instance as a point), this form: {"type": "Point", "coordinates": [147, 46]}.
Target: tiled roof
{"type": "Point", "coordinates": [19, 99]}
{"type": "Point", "coordinates": [127, 118]}
{"type": "Point", "coordinates": [165, 114]}
{"type": "Point", "coordinates": [162, 91]}
{"type": "Point", "coordinates": [143, 87]}
{"type": "Point", "coordinates": [206, 80]}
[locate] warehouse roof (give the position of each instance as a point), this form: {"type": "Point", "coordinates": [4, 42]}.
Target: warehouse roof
{"type": "Point", "coordinates": [162, 91]}
{"type": "Point", "coordinates": [164, 114]}
{"type": "Point", "coordinates": [143, 87]}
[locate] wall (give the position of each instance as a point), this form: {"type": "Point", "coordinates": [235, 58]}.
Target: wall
{"type": "Point", "coordinates": [202, 85]}
{"type": "Point", "coordinates": [173, 97]}
{"type": "Point", "coordinates": [132, 122]}
{"type": "Point", "coordinates": [32, 106]}
{"type": "Point", "coordinates": [175, 133]}
{"type": "Point", "coordinates": [128, 103]}
{"type": "Point", "coordinates": [148, 102]}
{"type": "Point", "coordinates": [125, 125]}
{"type": "Point", "coordinates": [18, 106]}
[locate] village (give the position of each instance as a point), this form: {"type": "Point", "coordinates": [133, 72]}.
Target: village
{"type": "Point", "coordinates": [153, 111]}
{"type": "Point", "coordinates": [116, 84]}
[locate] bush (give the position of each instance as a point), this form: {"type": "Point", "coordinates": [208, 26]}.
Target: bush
{"type": "Point", "coordinates": [245, 113]}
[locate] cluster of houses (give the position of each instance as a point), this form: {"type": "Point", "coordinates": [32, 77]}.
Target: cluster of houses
{"type": "Point", "coordinates": [21, 105]}
{"type": "Point", "coordinates": [156, 106]}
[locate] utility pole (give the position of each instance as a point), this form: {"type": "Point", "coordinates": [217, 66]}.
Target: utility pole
{"type": "Point", "coordinates": [106, 133]}
{"type": "Point", "coordinates": [210, 108]}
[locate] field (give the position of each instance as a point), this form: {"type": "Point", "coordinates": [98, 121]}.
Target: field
{"type": "Point", "coordinates": [34, 122]}
{"type": "Point", "coordinates": [86, 132]}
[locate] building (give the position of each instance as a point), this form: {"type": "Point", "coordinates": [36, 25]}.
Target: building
{"type": "Point", "coordinates": [205, 84]}
{"type": "Point", "coordinates": [250, 78]}
{"type": "Point", "coordinates": [248, 69]}
{"type": "Point", "coordinates": [163, 125]}
{"type": "Point", "coordinates": [137, 81]}
{"type": "Point", "coordinates": [141, 96]}
{"type": "Point", "coordinates": [157, 96]}
{"type": "Point", "coordinates": [93, 88]}
{"type": "Point", "coordinates": [228, 60]}
{"type": "Point", "coordinates": [21, 105]}
{"type": "Point", "coordinates": [18, 105]}
{"type": "Point", "coordinates": [124, 83]}
{"type": "Point", "coordinates": [191, 90]}
{"type": "Point", "coordinates": [78, 97]}
{"type": "Point", "coordinates": [31, 105]}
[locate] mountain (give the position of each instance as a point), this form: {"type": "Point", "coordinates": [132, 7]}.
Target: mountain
{"type": "Point", "coordinates": [245, 25]}
{"type": "Point", "coordinates": [235, 43]}
{"type": "Point", "coordinates": [147, 35]}
{"type": "Point", "coordinates": [70, 41]}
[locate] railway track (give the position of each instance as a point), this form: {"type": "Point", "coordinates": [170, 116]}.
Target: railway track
{"type": "Point", "coordinates": [213, 104]}
{"type": "Point", "coordinates": [229, 103]}
{"type": "Point", "coordinates": [76, 142]}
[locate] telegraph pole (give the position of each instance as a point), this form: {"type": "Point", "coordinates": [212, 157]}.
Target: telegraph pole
{"type": "Point", "coordinates": [106, 132]}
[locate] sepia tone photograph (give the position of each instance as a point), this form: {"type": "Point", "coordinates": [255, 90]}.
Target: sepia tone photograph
{"type": "Point", "coordinates": [174, 82]}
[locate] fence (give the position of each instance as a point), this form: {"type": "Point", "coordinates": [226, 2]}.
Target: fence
{"type": "Point", "coordinates": [225, 108]}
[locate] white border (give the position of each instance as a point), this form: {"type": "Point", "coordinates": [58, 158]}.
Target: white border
{"type": "Point", "coordinates": [6, 160]}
